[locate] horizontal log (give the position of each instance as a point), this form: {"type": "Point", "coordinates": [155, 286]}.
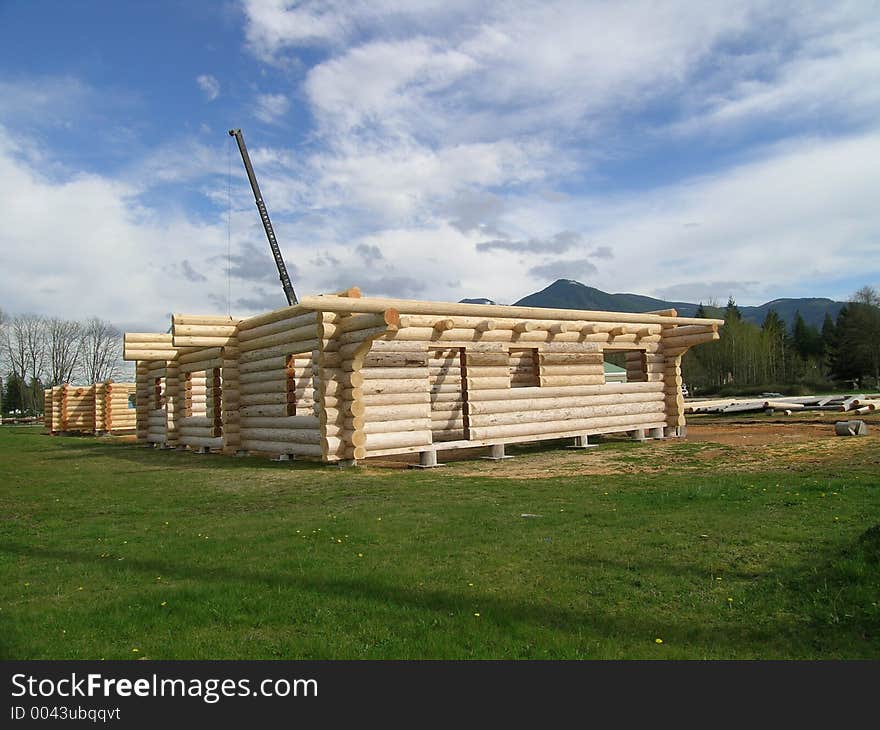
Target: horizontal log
{"type": "Point", "coordinates": [286, 337]}
{"type": "Point", "coordinates": [401, 426]}
{"type": "Point", "coordinates": [614, 423]}
{"type": "Point", "coordinates": [526, 405]}
{"type": "Point", "coordinates": [204, 320]}
{"type": "Point", "coordinates": [200, 366]}
{"type": "Point", "coordinates": [279, 447]}
{"type": "Point", "coordinates": [389, 399]}
{"type": "Point", "coordinates": [395, 359]}
{"type": "Point", "coordinates": [299, 347]}
{"type": "Point", "coordinates": [596, 370]}
{"type": "Point", "coordinates": [688, 340]}
{"type": "Point", "coordinates": [476, 384]}
{"type": "Point", "coordinates": [200, 355]}
{"type": "Point", "coordinates": [247, 331]}
{"type": "Point", "coordinates": [563, 415]}
{"type": "Point", "coordinates": [565, 391]}
{"type": "Point", "coordinates": [555, 381]}
{"type": "Point", "coordinates": [286, 435]}
{"type": "Point", "coordinates": [409, 373]}
{"type": "Point", "coordinates": [396, 440]}
{"type": "Point", "coordinates": [266, 376]}
{"type": "Point", "coordinates": [362, 336]}
{"type": "Point", "coordinates": [271, 364]}
{"type": "Point", "coordinates": [157, 340]}
{"type": "Point", "coordinates": [397, 412]}
{"type": "Point", "coordinates": [388, 318]}
{"type": "Point", "coordinates": [143, 355]}
{"type": "Point", "coordinates": [569, 358]}
{"type": "Point", "coordinates": [196, 421]}
{"type": "Point", "coordinates": [281, 422]}
{"type": "Point", "coordinates": [201, 341]}
{"type": "Point", "coordinates": [278, 410]}
{"type": "Point", "coordinates": [450, 309]}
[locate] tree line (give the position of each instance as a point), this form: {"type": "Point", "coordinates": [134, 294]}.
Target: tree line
{"type": "Point", "coordinates": [37, 352]}
{"type": "Point", "coordinates": [844, 353]}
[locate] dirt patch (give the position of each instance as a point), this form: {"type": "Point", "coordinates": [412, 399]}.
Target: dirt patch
{"type": "Point", "coordinates": [746, 444]}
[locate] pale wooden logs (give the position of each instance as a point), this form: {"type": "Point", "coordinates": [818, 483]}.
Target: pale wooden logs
{"type": "Point", "coordinates": [387, 319]}
{"type": "Point", "coordinates": [561, 392]}
{"type": "Point", "coordinates": [268, 411]}
{"type": "Point", "coordinates": [449, 309]}
{"type": "Point", "coordinates": [292, 348]}
{"type": "Point", "coordinates": [191, 330]}
{"type": "Point", "coordinates": [286, 435]}
{"type": "Point", "coordinates": [292, 337]}
{"type": "Point", "coordinates": [147, 346]}
{"type": "Point", "coordinates": [538, 335]}
{"type": "Point", "coordinates": [396, 440]}
{"type": "Point", "coordinates": [281, 447]}
{"type": "Point", "coordinates": [280, 421]}
{"type": "Point", "coordinates": [278, 326]}
{"type": "Point", "coordinates": [617, 422]}
{"type": "Point", "coordinates": [528, 404]}
{"type": "Point", "coordinates": [688, 340]}
{"type": "Point", "coordinates": [562, 416]}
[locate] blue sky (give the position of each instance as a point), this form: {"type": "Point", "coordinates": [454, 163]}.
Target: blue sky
{"type": "Point", "coordinates": [434, 150]}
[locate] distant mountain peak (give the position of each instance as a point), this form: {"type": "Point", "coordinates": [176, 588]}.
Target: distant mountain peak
{"type": "Point", "coordinates": [478, 300]}
{"type": "Point", "coordinates": [571, 294]}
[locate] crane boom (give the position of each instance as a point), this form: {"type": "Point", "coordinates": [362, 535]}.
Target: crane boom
{"type": "Point", "coordinates": [264, 216]}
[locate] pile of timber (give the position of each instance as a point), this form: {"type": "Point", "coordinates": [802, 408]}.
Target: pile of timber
{"type": "Point", "coordinates": [97, 408]}
{"type": "Point", "coordinates": [859, 404]}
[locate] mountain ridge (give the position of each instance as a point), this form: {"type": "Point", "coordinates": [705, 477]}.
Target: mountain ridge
{"type": "Point", "coordinates": [570, 294]}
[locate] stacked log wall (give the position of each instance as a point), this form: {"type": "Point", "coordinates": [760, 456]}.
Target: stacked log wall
{"type": "Point", "coordinates": [278, 412]}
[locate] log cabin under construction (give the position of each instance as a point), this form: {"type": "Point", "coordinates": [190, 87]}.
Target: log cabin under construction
{"type": "Point", "coordinates": [97, 408]}
{"type": "Point", "coordinates": [342, 377]}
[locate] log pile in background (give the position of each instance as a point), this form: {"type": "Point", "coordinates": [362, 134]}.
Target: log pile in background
{"type": "Point", "coordinates": [98, 408]}
{"type": "Point", "coordinates": [341, 377]}
{"type": "Point", "coordinates": [859, 404]}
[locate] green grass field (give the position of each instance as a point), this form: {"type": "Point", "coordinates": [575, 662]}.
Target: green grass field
{"type": "Point", "coordinates": [110, 550]}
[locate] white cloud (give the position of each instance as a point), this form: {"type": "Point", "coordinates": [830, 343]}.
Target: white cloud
{"type": "Point", "coordinates": [209, 85]}
{"type": "Point", "coordinates": [271, 107]}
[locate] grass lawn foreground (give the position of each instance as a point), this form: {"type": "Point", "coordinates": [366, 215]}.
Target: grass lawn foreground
{"type": "Point", "coordinates": [112, 550]}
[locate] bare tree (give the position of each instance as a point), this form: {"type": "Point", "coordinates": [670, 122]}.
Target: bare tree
{"type": "Point", "coordinates": [63, 343]}
{"type": "Point", "coordinates": [100, 351]}
{"type": "Point", "coordinates": [23, 342]}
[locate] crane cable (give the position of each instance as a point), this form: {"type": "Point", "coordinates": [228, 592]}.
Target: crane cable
{"type": "Point", "coordinates": [229, 227]}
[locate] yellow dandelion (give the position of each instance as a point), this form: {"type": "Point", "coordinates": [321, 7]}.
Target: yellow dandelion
{"type": "Point", "coordinates": [477, 615]}
{"type": "Point", "coordinates": [80, 588]}
{"type": "Point", "coordinates": [338, 539]}
{"type": "Point", "coordinates": [471, 585]}
{"type": "Point", "coordinates": [658, 640]}
{"type": "Point", "coordinates": [135, 651]}
{"type": "Point", "coordinates": [730, 600]}
{"type": "Point", "coordinates": [360, 555]}
{"type": "Point", "coordinates": [164, 603]}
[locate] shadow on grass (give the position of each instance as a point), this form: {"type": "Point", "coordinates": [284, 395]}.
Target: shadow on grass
{"type": "Point", "coordinates": [804, 609]}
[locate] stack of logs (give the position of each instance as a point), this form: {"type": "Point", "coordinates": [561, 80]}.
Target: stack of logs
{"type": "Point", "coordinates": [98, 408]}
